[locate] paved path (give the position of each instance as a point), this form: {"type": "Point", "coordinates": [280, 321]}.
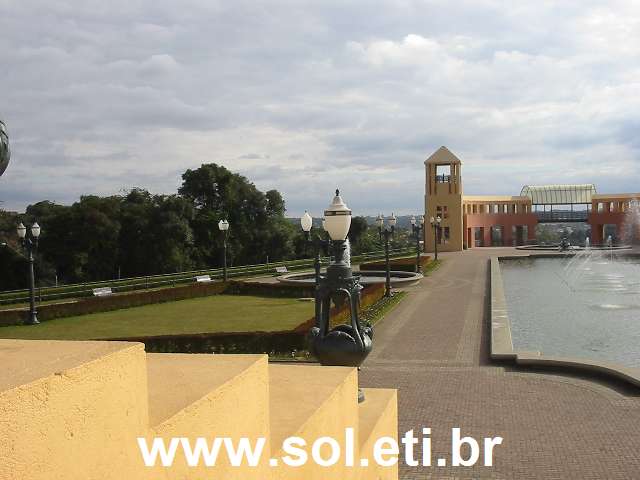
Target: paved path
{"type": "Point", "coordinates": [434, 349]}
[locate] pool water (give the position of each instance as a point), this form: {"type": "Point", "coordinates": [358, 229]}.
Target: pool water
{"type": "Point", "coordinates": [585, 307]}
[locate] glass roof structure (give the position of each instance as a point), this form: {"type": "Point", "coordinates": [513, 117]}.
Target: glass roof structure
{"type": "Point", "coordinates": [559, 194]}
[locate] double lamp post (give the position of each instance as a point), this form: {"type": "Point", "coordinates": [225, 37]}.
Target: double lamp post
{"type": "Point", "coordinates": [387, 232]}
{"type": "Point", "coordinates": [30, 244]}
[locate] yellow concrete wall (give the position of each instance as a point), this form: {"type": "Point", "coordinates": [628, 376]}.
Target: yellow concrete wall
{"type": "Point", "coordinates": [78, 411]}
{"type": "Point", "coordinates": [80, 423]}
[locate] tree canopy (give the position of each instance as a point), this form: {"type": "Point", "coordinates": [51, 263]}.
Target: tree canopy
{"type": "Point", "coordinates": [139, 233]}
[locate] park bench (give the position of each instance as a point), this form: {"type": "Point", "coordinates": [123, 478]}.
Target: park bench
{"type": "Point", "coordinates": [203, 278]}
{"type": "Point", "coordinates": [282, 270]}
{"type": "Point", "coordinates": [102, 292]}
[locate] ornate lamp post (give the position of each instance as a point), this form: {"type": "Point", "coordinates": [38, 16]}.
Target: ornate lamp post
{"type": "Point", "coordinates": [387, 232]}
{"type": "Point", "coordinates": [30, 243]}
{"type": "Point", "coordinates": [347, 344]}
{"type": "Point", "coordinates": [417, 227]}
{"type": "Point", "coordinates": [306, 222]}
{"type": "Point", "coordinates": [435, 224]}
{"type": "Point", "coordinates": [223, 225]}
{"type": "Point", "coordinates": [5, 152]}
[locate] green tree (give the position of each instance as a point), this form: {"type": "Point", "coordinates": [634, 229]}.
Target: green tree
{"type": "Point", "coordinates": [257, 226]}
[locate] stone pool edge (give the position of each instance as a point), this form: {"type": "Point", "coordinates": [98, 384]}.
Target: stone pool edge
{"type": "Point", "coordinates": [501, 342]}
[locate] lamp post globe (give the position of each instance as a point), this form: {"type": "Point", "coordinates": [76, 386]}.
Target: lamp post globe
{"type": "Point", "coordinates": [306, 222]}
{"type": "Point", "coordinates": [22, 231]}
{"type": "Point", "coordinates": [337, 219]}
{"type": "Point", "coordinates": [392, 221]}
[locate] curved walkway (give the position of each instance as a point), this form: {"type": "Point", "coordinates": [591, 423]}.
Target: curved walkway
{"type": "Point", "coordinates": [434, 349]}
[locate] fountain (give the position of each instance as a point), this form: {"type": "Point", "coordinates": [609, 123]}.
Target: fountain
{"type": "Point", "coordinates": [368, 277]}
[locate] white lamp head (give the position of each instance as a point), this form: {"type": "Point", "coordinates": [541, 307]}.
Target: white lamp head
{"type": "Point", "coordinates": [393, 220]}
{"type": "Point", "coordinates": [337, 218]}
{"type": "Point", "coordinates": [380, 221]}
{"type": "Point", "coordinates": [306, 222]}
{"type": "Point", "coordinates": [432, 220]}
{"type": "Point", "coordinates": [223, 225]}
{"type": "Point", "coordinates": [438, 220]}
{"type": "Point", "coordinates": [421, 219]}
{"type": "Point", "coordinates": [413, 219]}
{"type": "Point", "coordinates": [22, 230]}
{"type": "Point", "coordinates": [35, 230]}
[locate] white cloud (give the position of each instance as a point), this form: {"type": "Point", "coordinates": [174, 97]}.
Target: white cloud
{"type": "Point", "coordinates": [302, 97]}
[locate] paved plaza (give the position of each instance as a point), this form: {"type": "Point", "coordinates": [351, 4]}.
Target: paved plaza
{"type": "Point", "coordinates": [434, 349]}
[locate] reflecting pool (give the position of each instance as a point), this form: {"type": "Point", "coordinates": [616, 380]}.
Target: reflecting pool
{"type": "Point", "coordinates": [587, 306]}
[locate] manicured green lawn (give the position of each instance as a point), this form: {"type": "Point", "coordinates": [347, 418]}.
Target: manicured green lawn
{"type": "Point", "coordinates": [218, 313]}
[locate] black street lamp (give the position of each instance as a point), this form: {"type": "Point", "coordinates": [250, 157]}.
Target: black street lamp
{"type": "Point", "coordinates": [387, 232]}
{"type": "Point", "coordinates": [319, 245]}
{"type": "Point", "coordinates": [223, 225]}
{"type": "Point", "coordinates": [435, 224]}
{"type": "Point", "coordinates": [418, 228]}
{"type": "Point", "coordinates": [348, 344]}
{"type": "Point", "coordinates": [30, 244]}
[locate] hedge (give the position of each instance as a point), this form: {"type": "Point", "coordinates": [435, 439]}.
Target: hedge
{"type": "Point", "coordinates": [403, 264]}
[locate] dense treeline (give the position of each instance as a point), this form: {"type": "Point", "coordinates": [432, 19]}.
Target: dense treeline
{"type": "Point", "coordinates": [139, 233]}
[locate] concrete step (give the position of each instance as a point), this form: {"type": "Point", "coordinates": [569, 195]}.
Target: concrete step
{"type": "Point", "coordinates": [378, 417]}
{"type": "Point", "coordinates": [310, 402]}
{"type": "Point", "coordinates": [193, 395]}
{"type": "Point", "coordinates": [68, 408]}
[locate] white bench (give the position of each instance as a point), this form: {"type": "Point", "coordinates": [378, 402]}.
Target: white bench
{"type": "Point", "coordinates": [203, 279]}
{"type": "Point", "coordinates": [282, 270]}
{"type": "Point", "coordinates": [102, 292]}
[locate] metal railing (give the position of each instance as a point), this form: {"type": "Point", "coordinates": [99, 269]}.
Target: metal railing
{"type": "Point", "coordinates": [80, 290]}
{"type": "Point", "coordinates": [560, 216]}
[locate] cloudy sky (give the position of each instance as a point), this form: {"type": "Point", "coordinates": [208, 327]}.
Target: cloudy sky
{"type": "Point", "coordinates": [304, 96]}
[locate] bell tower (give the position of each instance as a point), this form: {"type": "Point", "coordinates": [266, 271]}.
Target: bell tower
{"type": "Point", "coordinates": [443, 198]}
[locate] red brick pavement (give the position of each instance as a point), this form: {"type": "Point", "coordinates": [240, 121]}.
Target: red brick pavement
{"type": "Point", "coordinates": [555, 425]}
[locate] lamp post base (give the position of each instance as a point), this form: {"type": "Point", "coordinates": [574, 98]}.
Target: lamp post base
{"type": "Point", "coordinates": [32, 319]}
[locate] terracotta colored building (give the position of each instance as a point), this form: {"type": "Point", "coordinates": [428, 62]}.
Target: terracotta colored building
{"type": "Point", "coordinates": [476, 221]}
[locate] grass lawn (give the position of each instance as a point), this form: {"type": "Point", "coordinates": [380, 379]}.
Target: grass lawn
{"type": "Point", "coordinates": [217, 313]}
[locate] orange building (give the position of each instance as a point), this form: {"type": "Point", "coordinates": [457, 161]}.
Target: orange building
{"type": "Point", "coordinates": [481, 221]}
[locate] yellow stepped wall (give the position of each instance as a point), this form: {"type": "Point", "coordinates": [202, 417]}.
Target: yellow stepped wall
{"type": "Point", "coordinates": [73, 410]}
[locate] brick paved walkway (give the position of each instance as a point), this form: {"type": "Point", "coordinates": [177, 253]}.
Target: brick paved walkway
{"type": "Point", "coordinates": [433, 349]}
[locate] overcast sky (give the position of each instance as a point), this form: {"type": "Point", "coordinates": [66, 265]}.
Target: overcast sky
{"type": "Point", "coordinates": [304, 96]}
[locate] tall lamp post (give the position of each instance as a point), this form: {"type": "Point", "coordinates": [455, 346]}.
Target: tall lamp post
{"type": "Point", "coordinates": [387, 233]}
{"type": "Point", "coordinates": [347, 344]}
{"type": "Point", "coordinates": [435, 224]}
{"type": "Point", "coordinates": [418, 228]}
{"type": "Point", "coordinates": [306, 222]}
{"type": "Point", "coordinates": [30, 243]}
{"type": "Point", "coordinates": [223, 225]}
